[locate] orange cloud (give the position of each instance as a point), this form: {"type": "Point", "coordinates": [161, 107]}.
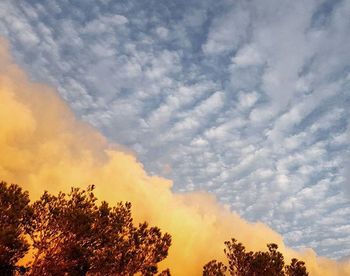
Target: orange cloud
{"type": "Point", "coordinates": [44, 147]}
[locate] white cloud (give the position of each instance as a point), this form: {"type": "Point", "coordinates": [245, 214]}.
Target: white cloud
{"type": "Point", "coordinates": [228, 31]}
{"type": "Point", "coordinates": [247, 55]}
{"type": "Point", "coordinates": [247, 100]}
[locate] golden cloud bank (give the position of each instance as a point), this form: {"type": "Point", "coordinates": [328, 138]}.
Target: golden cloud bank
{"type": "Point", "coordinates": [44, 147]}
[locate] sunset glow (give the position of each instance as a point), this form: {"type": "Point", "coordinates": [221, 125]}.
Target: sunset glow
{"type": "Point", "coordinates": [53, 138]}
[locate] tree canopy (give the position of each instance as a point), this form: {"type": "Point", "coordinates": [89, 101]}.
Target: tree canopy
{"type": "Point", "coordinates": [71, 234]}
{"type": "Point", "coordinates": [74, 234]}
{"type": "Point", "coordinates": [249, 263]}
{"type": "Point", "coordinates": [13, 209]}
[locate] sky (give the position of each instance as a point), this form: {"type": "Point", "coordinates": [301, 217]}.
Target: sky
{"type": "Point", "coordinates": [248, 100]}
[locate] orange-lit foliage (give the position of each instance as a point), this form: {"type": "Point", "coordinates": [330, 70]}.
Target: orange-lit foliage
{"type": "Point", "coordinates": [13, 209]}
{"type": "Point", "coordinates": [243, 263]}
{"type": "Point", "coordinates": [73, 235]}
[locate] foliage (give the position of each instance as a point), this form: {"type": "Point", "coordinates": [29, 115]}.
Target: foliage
{"type": "Point", "coordinates": [13, 246]}
{"type": "Point", "coordinates": [243, 263]}
{"type": "Point", "coordinates": [71, 234]}
{"type": "Point", "coordinates": [296, 268]}
{"type": "Point", "coordinates": [214, 268]}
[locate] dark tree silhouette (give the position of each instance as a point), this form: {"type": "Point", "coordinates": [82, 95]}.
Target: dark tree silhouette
{"type": "Point", "coordinates": [296, 268]}
{"type": "Point", "coordinates": [73, 235]}
{"type": "Point", "coordinates": [243, 263]}
{"type": "Point", "coordinates": [13, 215]}
{"type": "Point", "coordinates": [214, 268]}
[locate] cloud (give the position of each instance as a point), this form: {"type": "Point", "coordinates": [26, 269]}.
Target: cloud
{"type": "Point", "coordinates": [46, 147]}
{"type": "Point", "coordinates": [248, 101]}
{"type": "Point", "coordinates": [247, 55]}
{"type": "Point", "coordinates": [222, 39]}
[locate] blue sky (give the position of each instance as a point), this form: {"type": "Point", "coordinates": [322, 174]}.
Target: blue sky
{"type": "Point", "coordinates": [248, 100]}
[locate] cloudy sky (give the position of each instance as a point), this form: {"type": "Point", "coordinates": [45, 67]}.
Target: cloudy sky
{"type": "Point", "coordinates": [249, 100]}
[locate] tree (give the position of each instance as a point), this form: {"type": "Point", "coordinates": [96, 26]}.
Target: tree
{"type": "Point", "coordinates": [13, 215]}
{"type": "Point", "coordinates": [214, 268]}
{"type": "Point", "coordinates": [73, 235]}
{"type": "Point", "coordinates": [243, 263]}
{"type": "Point", "coordinates": [296, 268]}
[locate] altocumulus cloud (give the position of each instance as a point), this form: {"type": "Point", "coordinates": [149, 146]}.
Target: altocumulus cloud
{"type": "Point", "coordinates": [247, 100]}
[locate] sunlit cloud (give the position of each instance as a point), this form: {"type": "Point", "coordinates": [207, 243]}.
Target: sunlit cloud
{"type": "Point", "coordinates": [248, 101]}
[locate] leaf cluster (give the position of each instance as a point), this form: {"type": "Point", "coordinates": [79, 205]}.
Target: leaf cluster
{"type": "Point", "coordinates": [71, 234]}
{"type": "Point", "coordinates": [249, 263]}
{"type": "Point", "coordinates": [13, 218]}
